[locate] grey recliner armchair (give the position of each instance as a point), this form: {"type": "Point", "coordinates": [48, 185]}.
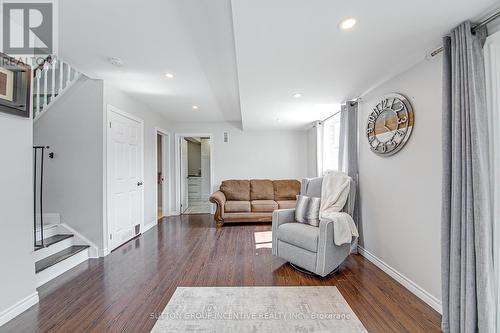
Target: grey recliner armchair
{"type": "Point", "coordinates": [306, 246]}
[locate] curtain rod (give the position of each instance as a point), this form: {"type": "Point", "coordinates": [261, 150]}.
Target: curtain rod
{"type": "Point", "coordinates": [486, 21]}
{"type": "Point", "coordinates": [333, 115]}
{"type": "Point", "coordinates": [356, 100]}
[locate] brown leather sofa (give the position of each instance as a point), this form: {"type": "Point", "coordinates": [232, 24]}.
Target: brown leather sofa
{"type": "Point", "coordinates": [253, 200]}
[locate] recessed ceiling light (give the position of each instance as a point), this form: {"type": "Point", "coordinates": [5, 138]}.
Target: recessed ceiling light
{"type": "Point", "coordinates": [115, 61]}
{"type": "Point", "coordinates": [195, 107]}
{"type": "Point", "coordinates": [169, 75]}
{"type": "Point", "coordinates": [296, 95]}
{"type": "Point", "coordinates": [347, 23]}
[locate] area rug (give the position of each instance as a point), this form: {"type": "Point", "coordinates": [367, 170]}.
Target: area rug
{"type": "Point", "coordinates": [257, 309]}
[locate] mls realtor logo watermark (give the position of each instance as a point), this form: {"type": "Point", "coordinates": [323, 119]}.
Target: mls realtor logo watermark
{"type": "Point", "coordinates": [28, 28]}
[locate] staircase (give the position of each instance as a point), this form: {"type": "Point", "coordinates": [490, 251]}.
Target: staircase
{"type": "Point", "coordinates": [61, 251]}
{"type": "Point", "coordinates": [57, 247]}
{"type": "Point", "coordinates": [51, 79]}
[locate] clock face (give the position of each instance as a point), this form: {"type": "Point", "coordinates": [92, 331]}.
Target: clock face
{"type": "Point", "coordinates": [389, 125]}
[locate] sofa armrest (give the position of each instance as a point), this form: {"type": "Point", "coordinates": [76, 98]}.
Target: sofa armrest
{"type": "Point", "coordinates": [219, 199]}
{"type": "Point", "coordinates": [280, 216]}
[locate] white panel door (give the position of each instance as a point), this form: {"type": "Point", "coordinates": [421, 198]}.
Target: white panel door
{"type": "Point", "coordinates": [125, 184]}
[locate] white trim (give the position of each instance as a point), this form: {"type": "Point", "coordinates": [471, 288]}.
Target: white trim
{"type": "Point", "coordinates": [167, 168]}
{"type": "Point", "coordinates": [492, 66]}
{"type": "Point", "coordinates": [418, 291]}
{"type": "Point", "coordinates": [53, 249]}
{"type": "Point", "coordinates": [149, 226]}
{"type": "Point", "coordinates": [111, 108]}
{"type": "Point", "coordinates": [178, 166]}
{"type": "Point", "coordinates": [104, 232]}
{"type": "Point", "coordinates": [104, 252]}
{"type": "Point", "coordinates": [13, 311]}
{"type": "Point", "coordinates": [48, 231]}
{"type": "Point", "coordinates": [79, 238]}
{"type": "Point", "coordinates": [61, 267]}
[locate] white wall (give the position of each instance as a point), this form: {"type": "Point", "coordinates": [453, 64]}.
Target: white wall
{"type": "Point", "coordinates": [73, 179]}
{"type": "Point", "coordinates": [257, 154]}
{"type": "Point", "coordinates": [152, 119]}
{"type": "Point", "coordinates": [401, 194]}
{"type": "Point", "coordinates": [74, 128]}
{"type": "Point", "coordinates": [17, 280]}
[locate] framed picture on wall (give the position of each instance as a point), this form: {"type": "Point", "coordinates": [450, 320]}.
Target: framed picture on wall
{"type": "Point", "coordinates": [15, 86]}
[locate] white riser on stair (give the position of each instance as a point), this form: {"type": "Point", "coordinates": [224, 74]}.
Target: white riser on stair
{"type": "Point", "coordinates": [48, 231]}
{"type": "Point", "coordinates": [54, 248]}
{"type": "Point", "coordinates": [53, 271]}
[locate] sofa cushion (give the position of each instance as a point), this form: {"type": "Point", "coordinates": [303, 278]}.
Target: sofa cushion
{"type": "Point", "coordinates": [261, 189]}
{"type": "Point", "coordinates": [236, 190]}
{"type": "Point", "coordinates": [237, 206]}
{"type": "Point", "coordinates": [249, 216]}
{"type": "Point", "coordinates": [264, 205]}
{"type": "Point", "coordinates": [286, 204]}
{"type": "Point", "coordinates": [286, 189]}
{"type": "Point", "coordinates": [301, 235]}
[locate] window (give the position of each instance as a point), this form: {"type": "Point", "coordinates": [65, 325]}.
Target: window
{"type": "Point", "coordinates": [492, 68]}
{"type": "Point", "coordinates": [329, 144]}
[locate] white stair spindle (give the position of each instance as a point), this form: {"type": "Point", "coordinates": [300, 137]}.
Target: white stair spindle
{"type": "Point", "coordinates": [47, 84]}
{"type": "Point", "coordinates": [53, 70]}
{"type": "Point", "coordinates": [61, 73]}
{"type": "Point", "coordinates": [45, 74]}
{"type": "Point", "coordinates": [38, 92]}
{"type": "Point", "coordinates": [69, 75]}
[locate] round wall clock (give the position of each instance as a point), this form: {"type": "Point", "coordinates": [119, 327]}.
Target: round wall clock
{"type": "Point", "coordinates": [389, 124]}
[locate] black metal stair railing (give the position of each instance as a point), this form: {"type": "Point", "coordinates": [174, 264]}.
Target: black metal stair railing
{"type": "Point", "coordinates": [38, 153]}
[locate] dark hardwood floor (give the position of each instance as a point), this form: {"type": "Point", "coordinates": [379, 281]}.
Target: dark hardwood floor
{"type": "Point", "coordinates": [120, 292]}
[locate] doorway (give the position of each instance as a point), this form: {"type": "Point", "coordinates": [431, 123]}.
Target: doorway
{"type": "Point", "coordinates": [125, 190]}
{"type": "Point", "coordinates": [195, 173]}
{"type": "Point", "coordinates": [162, 173]}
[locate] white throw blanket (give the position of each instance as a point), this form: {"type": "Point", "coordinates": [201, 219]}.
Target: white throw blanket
{"type": "Point", "coordinates": [334, 193]}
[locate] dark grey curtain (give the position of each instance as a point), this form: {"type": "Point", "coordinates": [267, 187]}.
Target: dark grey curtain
{"type": "Point", "coordinates": [348, 152]}
{"type": "Point", "coordinates": [467, 250]}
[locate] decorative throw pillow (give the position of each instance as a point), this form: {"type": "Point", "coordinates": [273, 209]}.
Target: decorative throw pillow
{"type": "Point", "coordinates": [307, 210]}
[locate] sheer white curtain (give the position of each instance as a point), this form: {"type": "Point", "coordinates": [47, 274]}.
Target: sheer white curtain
{"type": "Point", "coordinates": [492, 63]}
{"type": "Point", "coordinates": [328, 136]}
{"type": "Point", "coordinates": [337, 147]}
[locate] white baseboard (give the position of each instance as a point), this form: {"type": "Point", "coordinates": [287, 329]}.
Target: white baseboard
{"type": "Point", "coordinates": [406, 282]}
{"type": "Point", "coordinates": [103, 252]}
{"type": "Point", "coordinates": [18, 308]}
{"type": "Point", "coordinates": [149, 226]}
{"type": "Point", "coordinates": [93, 250]}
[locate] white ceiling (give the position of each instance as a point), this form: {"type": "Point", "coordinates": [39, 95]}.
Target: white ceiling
{"type": "Point", "coordinates": [189, 38]}
{"type": "Point", "coordinates": [278, 47]}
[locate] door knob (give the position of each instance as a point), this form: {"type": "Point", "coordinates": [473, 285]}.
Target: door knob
{"type": "Point", "coordinates": [139, 184]}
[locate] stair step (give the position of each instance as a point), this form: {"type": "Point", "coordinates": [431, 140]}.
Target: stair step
{"type": "Point", "coordinates": [58, 257]}
{"type": "Point", "coordinates": [53, 240]}
{"type": "Point", "coordinates": [48, 231]}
